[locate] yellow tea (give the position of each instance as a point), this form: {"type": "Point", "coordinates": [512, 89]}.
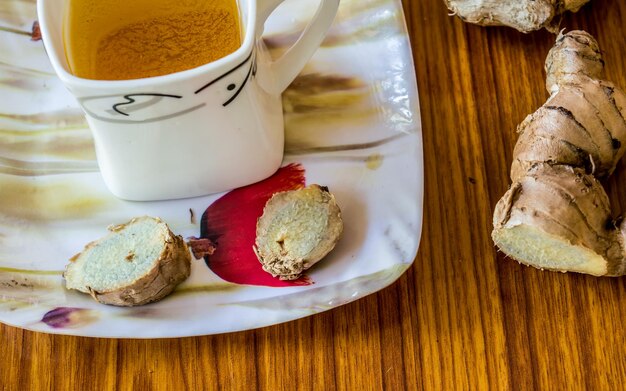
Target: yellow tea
{"type": "Point", "coordinates": [132, 39]}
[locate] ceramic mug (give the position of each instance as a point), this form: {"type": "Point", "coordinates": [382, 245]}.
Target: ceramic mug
{"type": "Point", "coordinates": [200, 131]}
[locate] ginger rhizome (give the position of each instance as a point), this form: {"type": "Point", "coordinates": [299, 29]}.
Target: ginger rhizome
{"type": "Point", "coordinates": [523, 15]}
{"type": "Point", "coordinates": [556, 214]}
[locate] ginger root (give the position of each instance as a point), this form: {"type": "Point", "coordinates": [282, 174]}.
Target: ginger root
{"type": "Point", "coordinates": [556, 215]}
{"type": "Point", "coordinates": [523, 15]}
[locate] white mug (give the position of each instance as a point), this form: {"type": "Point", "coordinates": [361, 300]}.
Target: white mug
{"type": "Point", "coordinates": [205, 130]}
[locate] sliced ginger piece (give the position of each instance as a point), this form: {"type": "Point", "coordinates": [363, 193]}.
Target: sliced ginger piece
{"type": "Point", "coordinates": [137, 263]}
{"type": "Point", "coordinates": [297, 229]}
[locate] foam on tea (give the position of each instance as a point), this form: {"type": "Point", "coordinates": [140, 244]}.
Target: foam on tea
{"type": "Point", "coordinates": [131, 39]}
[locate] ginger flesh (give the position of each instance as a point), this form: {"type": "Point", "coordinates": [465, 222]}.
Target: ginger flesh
{"type": "Point", "coordinates": [297, 229]}
{"type": "Point", "coordinates": [556, 215]}
{"type": "Point", "coordinates": [523, 15]}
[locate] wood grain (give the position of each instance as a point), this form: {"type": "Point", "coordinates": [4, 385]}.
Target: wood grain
{"type": "Point", "coordinates": [462, 317]}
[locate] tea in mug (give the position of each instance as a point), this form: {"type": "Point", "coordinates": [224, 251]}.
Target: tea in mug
{"type": "Point", "coordinates": [132, 39]}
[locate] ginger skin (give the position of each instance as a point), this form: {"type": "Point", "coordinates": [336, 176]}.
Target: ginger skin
{"type": "Point", "coordinates": [556, 215]}
{"type": "Point", "coordinates": [523, 15]}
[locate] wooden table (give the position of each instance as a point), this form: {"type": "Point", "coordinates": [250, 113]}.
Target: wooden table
{"type": "Point", "coordinates": [462, 317]}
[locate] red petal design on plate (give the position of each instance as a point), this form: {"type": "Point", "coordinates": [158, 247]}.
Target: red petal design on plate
{"type": "Point", "coordinates": [230, 222]}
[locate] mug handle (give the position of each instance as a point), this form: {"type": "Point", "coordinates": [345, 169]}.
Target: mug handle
{"type": "Point", "coordinates": [288, 66]}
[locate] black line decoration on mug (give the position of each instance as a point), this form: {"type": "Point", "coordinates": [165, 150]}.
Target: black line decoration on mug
{"type": "Point", "coordinates": [130, 100]}
{"type": "Point", "coordinates": [243, 84]}
{"type": "Point", "coordinates": [127, 108]}
{"type": "Point", "coordinates": [232, 86]}
{"type": "Point", "coordinates": [209, 84]}
{"type": "Point", "coordinates": [120, 112]}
